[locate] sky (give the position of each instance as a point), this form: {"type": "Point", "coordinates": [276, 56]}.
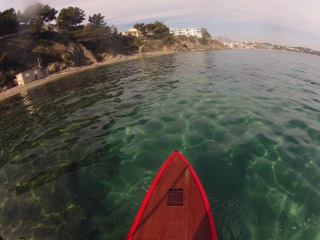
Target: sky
{"type": "Point", "coordinates": [293, 23]}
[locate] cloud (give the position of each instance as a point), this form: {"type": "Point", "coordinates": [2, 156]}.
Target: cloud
{"type": "Point", "coordinates": [286, 19]}
{"type": "Point", "coordinates": [301, 15]}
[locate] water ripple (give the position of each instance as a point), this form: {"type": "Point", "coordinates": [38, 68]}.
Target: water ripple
{"type": "Point", "coordinates": [77, 158]}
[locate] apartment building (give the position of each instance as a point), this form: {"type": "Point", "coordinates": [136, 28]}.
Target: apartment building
{"type": "Point", "coordinates": [196, 32]}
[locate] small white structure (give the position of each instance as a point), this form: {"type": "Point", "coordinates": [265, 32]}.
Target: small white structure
{"type": "Point", "coordinates": [131, 32]}
{"type": "Point", "coordinates": [229, 44]}
{"type": "Point", "coordinates": [196, 32]}
{"type": "Point", "coordinates": [31, 75]}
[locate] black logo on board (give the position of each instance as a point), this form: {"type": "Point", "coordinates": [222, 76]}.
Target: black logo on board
{"type": "Point", "coordinates": [175, 197]}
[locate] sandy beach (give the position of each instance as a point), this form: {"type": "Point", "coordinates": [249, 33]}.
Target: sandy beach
{"type": "Point", "coordinates": [55, 76]}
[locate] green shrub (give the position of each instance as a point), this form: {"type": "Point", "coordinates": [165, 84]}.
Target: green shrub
{"type": "Point", "coordinates": [168, 40]}
{"type": "Point", "coordinates": [50, 55]}
{"type": "Point", "coordinates": [204, 40]}
{"type": "Point", "coordinates": [192, 39]}
{"type": "Point", "coordinates": [137, 42]}
{"type": "Point", "coordinates": [182, 38]}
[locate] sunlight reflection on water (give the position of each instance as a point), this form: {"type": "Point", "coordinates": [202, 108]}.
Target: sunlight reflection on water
{"type": "Point", "coordinates": [77, 156]}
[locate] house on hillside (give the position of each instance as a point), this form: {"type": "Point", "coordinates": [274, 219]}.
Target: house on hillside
{"type": "Point", "coordinates": [31, 75]}
{"type": "Point", "coordinates": [131, 32]}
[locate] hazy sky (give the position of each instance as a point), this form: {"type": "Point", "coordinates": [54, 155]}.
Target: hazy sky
{"type": "Point", "coordinates": [286, 22]}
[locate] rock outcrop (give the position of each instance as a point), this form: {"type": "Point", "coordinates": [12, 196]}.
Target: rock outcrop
{"type": "Point", "coordinates": [23, 51]}
{"type": "Point", "coordinates": [209, 45]}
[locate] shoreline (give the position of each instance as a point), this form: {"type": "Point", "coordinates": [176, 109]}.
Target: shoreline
{"type": "Point", "coordinates": [56, 76]}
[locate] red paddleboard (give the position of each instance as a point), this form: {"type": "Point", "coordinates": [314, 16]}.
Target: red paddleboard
{"type": "Point", "coordinates": [176, 206]}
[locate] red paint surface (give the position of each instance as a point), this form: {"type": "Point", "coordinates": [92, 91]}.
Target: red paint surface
{"type": "Point", "coordinates": [155, 181]}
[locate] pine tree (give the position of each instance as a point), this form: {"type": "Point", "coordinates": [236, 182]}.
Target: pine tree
{"type": "Point", "coordinates": [8, 21]}
{"type": "Point", "coordinates": [97, 20]}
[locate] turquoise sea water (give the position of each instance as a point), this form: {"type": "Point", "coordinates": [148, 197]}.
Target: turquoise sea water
{"type": "Point", "coordinates": [78, 155]}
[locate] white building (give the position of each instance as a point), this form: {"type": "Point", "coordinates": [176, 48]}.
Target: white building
{"type": "Point", "coordinates": [132, 31]}
{"type": "Point", "coordinates": [31, 75]}
{"type": "Point", "coordinates": [229, 44]}
{"type": "Point", "coordinates": [196, 32]}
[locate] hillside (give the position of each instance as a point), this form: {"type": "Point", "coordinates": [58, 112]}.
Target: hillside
{"type": "Point", "coordinates": [28, 39]}
{"type": "Point", "coordinates": [56, 51]}
{"type": "Point", "coordinates": [21, 52]}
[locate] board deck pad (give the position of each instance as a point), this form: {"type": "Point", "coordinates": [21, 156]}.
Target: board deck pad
{"type": "Point", "coordinates": [175, 207]}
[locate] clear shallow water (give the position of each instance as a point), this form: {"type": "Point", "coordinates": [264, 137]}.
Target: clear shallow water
{"type": "Point", "coordinates": [77, 156]}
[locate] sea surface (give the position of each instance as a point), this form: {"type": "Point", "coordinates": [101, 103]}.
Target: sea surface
{"type": "Point", "coordinates": [78, 155]}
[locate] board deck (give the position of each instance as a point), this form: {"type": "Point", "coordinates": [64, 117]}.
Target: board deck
{"type": "Point", "coordinates": [175, 207]}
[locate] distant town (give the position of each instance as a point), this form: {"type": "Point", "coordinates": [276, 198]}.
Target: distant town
{"type": "Point", "coordinates": [200, 32]}
{"type": "Point", "coordinates": [263, 45]}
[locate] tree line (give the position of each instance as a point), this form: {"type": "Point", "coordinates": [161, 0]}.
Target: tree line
{"type": "Point", "coordinates": [157, 30]}
{"type": "Point", "coordinates": [70, 20]}
{"type": "Point", "coordinates": [37, 15]}
{"type": "Point", "coordinates": [34, 16]}
{"type": "Point", "coordinates": [95, 35]}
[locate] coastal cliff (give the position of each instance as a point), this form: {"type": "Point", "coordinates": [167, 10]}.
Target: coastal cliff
{"type": "Point", "coordinates": [58, 52]}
